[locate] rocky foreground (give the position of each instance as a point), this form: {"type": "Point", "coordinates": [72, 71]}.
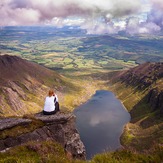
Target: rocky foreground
{"type": "Point", "coordinates": [59, 127]}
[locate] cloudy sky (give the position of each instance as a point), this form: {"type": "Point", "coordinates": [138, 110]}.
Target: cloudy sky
{"type": "Point", "coordinates": [96, 16]}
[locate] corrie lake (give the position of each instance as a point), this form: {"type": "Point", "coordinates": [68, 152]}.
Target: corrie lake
{"type": "Point", "coordinates": [100, 122]}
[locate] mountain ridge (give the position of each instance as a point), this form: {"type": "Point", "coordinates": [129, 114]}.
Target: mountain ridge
{"type": "Point", "coordinates": [24, 84]}
{"type": "Point", "coordinates": [137, 92]}
{"type": "Point", "coordinates": [147, 77]}
{"type": "Point", "coordinates": [140, 89]}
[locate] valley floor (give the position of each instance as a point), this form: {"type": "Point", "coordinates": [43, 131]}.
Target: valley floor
{"type": "Point", "coordinates": [145, 131]}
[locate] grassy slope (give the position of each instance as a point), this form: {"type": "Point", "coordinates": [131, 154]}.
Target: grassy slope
{"type": "Point", "coordinates": [145, 129]}
{"type": "Point", "coordinates": [52, 152]}
{"type": "Point", "coordinates": [146, 126]}
{"type": "Point", "coordinates": [23, 90]}
{"type": "Point", "coordinates": [134, 134]}
{"type": "Point", "coordinates": [86, 86]}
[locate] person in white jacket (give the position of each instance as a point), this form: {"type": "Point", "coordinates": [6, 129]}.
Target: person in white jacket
{"type": "Point", "coordinates": [51, 105]}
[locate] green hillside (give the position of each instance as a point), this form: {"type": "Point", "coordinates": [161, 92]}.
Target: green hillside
{"type": "Point", "coordinates": [142, 137]}
{"type": "Point", "coordinates": [75, 65]}
{"type": "Point", "coordinates": [140, 90]}
{"type": "Point", "coordinates": [24, 86]}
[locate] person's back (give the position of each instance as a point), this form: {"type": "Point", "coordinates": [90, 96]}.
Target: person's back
{"type": "Point", "coordinates": [49, 104]}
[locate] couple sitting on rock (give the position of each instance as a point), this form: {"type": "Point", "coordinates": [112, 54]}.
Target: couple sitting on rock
{"type": "Point", "coordinates": [51, 105]}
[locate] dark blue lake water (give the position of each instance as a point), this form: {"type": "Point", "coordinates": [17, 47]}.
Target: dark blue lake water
{"type": "Point", "coordinates": [100, 122]}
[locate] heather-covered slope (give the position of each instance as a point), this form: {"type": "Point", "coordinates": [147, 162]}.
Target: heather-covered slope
{"type": "Point", "coordinates": [147, 78]}
{"type": "Point", "coordinates": [141, 91]}
{"type": "Point", "coordinates": [144, 75]}
{"type": "Point", "coordinates": [24, 85]}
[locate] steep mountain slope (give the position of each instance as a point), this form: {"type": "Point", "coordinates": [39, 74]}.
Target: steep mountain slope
{"type": "Point", "coordinates": [141, 91]}
{"type": "Point", "coordinates": [24, 85]}
{"type": "Point", "coordinates": [143, 75]}
{"type": "Point", "coordinates": [147, 78]}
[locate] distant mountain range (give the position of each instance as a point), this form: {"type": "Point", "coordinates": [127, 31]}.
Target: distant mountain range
{"type": "Point", "coordinates": [24, 85]}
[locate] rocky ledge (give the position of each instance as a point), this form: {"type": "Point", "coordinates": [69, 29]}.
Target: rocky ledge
{"type": "Point", "coordinates": [59, 127]}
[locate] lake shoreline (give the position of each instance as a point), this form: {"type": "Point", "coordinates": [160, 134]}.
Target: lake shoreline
{"type": "Point", "coordinates": [108, 117]}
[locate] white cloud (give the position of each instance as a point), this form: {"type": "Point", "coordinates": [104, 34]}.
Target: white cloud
{"type": "Point", "coordinates": [97, 16]}
{"type": "Point", "coordinates": [48, 9]}
{"type": "Point", "coordinates": [110, 117]}
{"type": "Point", "coordinates": [135, 26]}
{"type": "Point", "coordinates": [100, 28]}
{"type": "Point", "coordinates": [69, 21]}
{"type": "Point", "coordinates": [157, 3]}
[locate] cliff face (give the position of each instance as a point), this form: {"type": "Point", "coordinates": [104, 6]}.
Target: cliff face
{"type": "Point", "coordinates": [144, 75]}
{"type": "Point", "coordinates": [141, 91]}
{"type": "Point", "coordinates": [155, 99]}
{"type": "Point", "coordinates": [59, 127]}
{"type": "Point", "coordinates": [147, 77]}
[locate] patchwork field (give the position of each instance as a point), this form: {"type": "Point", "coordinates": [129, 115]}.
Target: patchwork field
{"type": "Point", "coordinates": [66, 49]}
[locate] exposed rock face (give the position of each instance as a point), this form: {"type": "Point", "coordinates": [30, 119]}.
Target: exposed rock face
{"type": "Point", "coordinates": [59, 127]}
{"type": "Point", "coordinates": [20, 82]}
{"type": "Point", "coordinates": [8, 123]}
{"type": "Point", "coordinates": [146, 77]}
{"type": "Point", "coordinates": [155, 98]}
{"type": "Point", "coordinates": [143, 75]}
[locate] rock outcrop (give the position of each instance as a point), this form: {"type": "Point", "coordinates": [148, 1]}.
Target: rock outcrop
{"type": "Point", "coordinates": [147, 77]}
{"type": "Point", "coordinates": [59, 127]}
{"type": "Point", "coordinates": [155, 99]}
{"type": "Point", "coordinates": [144, 75]}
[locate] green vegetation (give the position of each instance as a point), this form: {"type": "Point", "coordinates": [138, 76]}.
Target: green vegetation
{"type": "Point", "coordinates": [61, 52]}
{"type": "Point", "coordinates": [85, 61]}
{"type": "Point", "coordinates": [48, 151]}
{"type": "Point", "coordinates": [128, 156]}
{"type": "Point", "coordinates": [52, 152]}
{"type": "Point", "coordinates": [21, 129]}
{"type": "Point", "coordinates": [66, 48]}
{"type": "Point", "coordinates": [84, 88]}
{"type": "Point", "coordinates": [146, 127]}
